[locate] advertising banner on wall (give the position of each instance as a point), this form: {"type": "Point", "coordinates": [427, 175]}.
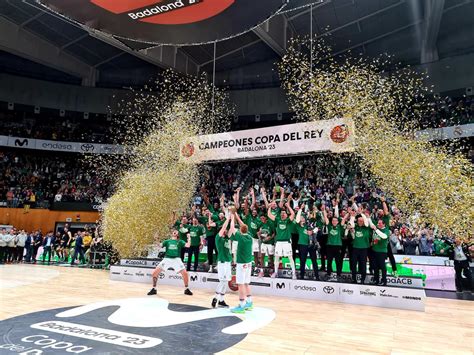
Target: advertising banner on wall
{"type": "Point", "coordinates": [335, 136]}
{"type": "Point", "coordinates": [173, 22]}
{"type": "Point", "coordinates": [387, 297]}
{"type": "Point", "coordinates": [60, 146]}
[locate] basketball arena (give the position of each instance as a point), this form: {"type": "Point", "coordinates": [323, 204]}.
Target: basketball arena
{"type": "Point", "coordinates": [236, 176]}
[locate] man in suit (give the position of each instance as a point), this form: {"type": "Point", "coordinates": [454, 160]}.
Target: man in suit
{"type": "Point", "coordinates": [29, 246]}
{"type": "Point", "coordinates": [461, 254]}
{"type": "Point", "coordinates": [78, 249]}
{"type": "Point", "coordinates": [48, 243]}
{"type": "Point", "coordinates": [38, 241]}
{"type": "Point", "coordinates": [3, 245]}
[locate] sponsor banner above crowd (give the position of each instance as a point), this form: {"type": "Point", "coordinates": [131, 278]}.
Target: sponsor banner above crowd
{"type": "Point", "coordinates": [387, 297]}
{"type": "Point", "coordinates": [336, 136]}
{"type": "Point", "coordinates": [60, 146]}
{"type": "Point", "coordinates": [452, 132]}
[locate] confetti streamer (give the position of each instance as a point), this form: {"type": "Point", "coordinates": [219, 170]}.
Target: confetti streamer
{"type": "Point", "coordinates": [433, 183]}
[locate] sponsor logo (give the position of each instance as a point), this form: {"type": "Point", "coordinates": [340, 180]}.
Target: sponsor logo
{"type": "Point", "coordinates": [139, 273]}
{"type": "Point", "coordinates": [368, 292]}
{"type": "Point", "coordinates": [87, 147]}
{"type": "Point", "coordinates": [175, 277]}
{"type": "Point", "coordinates": [135, 262]}
{"type": "Point", "coordinates": [162, 275]}
{"type": "Point", "coordinates": [386, 293]}
{"type": "Point", "coordinates": [166, 12]}
{"type": "Point", "coordinates": [280, 285]}
{"type": "Point", "coordinates": [412, 298]}
{"type": "Point", "coordinates": [305, 288]}
{"type": "Point", "coordinates": [57, 146]}
{"type": "Point", "coordinates": [262, 284]}
{"type": "Point", "coordinates": [399, 280]}
{"type": "Point", "coordinates": [193, 277]}
{"type": "Point", "coordinates": [21, 143]}
{"type": "Point", "coordinates": [106, 327]}
{"type": "Point", "coordinates": [328, 289]}
{"type": "Point", "coordinates": [339, 133]}
{"type": "Point", "coordinates": [115, 273]}
{"type": "Point", "coordinates": [457, 131]}
{"type": "Point", "coordinates": [187, 150]}
{"type": "Point", "coordinates": [347, 291]}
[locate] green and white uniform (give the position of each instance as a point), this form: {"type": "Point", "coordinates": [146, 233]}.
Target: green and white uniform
{"type": "Point", "coordinates": [172, 253]}
{"type": "Point", "coordinates": [244, 257]}
{"type": "Point", "coordinates": [283, 237]}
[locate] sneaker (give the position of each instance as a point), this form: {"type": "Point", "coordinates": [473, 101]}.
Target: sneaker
{"type": "Point", "coordinates": [294, 277]}
{"type": "Point", "coordinates": [214, 302]}
{"type": "Point", "coordinates": [260, 274]}
{"type": "Point", "coordinates": [248, 306]}
{"type": "Point", "coordinates": [223, 304]}
{"type": "Point", "coordinates": [152, 292]}
{"type": "Point", "coordinates": [274, 275]}
{"type": "Point", "coordinates": [188, 292]}
{"type": "Point", "coordinates": [211, 269]}
{"type": "Point", "coordinates": [394, 273]}
{"type": "Point", "coordinates": [238, 309]}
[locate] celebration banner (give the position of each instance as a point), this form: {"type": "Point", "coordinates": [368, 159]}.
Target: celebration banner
{"type": "Point", "coordinates": [60, 146]}
{"type": "Point", "coordinates": [335, 136]}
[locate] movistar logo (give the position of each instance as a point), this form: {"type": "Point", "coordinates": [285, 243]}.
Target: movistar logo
{"type": "Point", "coordinates": [21, 143]}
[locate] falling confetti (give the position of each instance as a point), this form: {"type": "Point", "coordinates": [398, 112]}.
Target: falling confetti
{"type": "Point", "coordinates": [431, 182]}
{"type": "Point", "coordinates": [150, 182]}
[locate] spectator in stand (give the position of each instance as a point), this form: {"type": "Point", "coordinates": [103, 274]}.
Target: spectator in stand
{"type": "Point", "coordinates": [425, 243]}
{"type": "Point", "coordinates": [395, 242]}
{"type": "Point", "coordinates": [410, 244]}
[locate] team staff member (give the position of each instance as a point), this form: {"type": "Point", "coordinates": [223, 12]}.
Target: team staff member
{"type": "Point", "coordinates": [244, 265]}
{"type": "Point", "coordinates": [361, 234]}
{"type": "Point", "coordinates": [460, 253]}
{"type": "Point", "coordinates": [307, 244]}
{"type": "Point", "coordinates": [172, 261]}
{"type": "Point", "coordinates": [48, 243]}
{"type": "Point", "coordinates": [3, 245]}
{"type": "Point", "coordinates": [224, 267]}
{"type": "Point", "coordinates": [283, 236]}
{"type": "Point", "coordinates": [79, 248]}
{"type": "Point", "coordinates": [379, 247]}
{"type": "Point", "coordinates": [334, 244]}
{"type": "Point", "coordinates": [209, 220]}
{"type": "Point", "coordinates": [196, 232]}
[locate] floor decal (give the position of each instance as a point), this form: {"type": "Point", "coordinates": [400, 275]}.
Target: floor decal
{"type": "Point", "coordinates": [132, 326]}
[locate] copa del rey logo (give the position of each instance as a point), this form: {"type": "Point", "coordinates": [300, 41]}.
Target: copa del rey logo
{"type": "Point", "coordinates": [166, 12]}
{"type": "Point", "coordinates": [339, 133]}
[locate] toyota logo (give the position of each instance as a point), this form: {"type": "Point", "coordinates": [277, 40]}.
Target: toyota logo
{"type": "Point", "coordinates": [328, 289]}
{"type": "Point", "coordinates": [87, 147]}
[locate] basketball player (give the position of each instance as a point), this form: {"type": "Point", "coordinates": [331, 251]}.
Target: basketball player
{"type": "Point", "coordinates": [173, 261]}
{"type": "Point", "coordinates": [283, 236]}
{"type": "Point", "coordinates": [244, 264]}
{"type": "Point", "coordinates": [224, 269]}
{"type": "Point", "coordinates": [361, 233]}
{"type": "Point", "coordinates": [267, 234]}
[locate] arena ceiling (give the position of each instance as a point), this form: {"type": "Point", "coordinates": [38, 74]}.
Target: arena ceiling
{"type": "Point", "coordinates": [38, 43]}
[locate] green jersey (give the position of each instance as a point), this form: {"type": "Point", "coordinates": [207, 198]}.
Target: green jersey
{"type": "Point", "coordinates": [335, 235]}
{"type": "Point", "coordinates": [303, 237]}
{"type": "Point", "coordinates": [267, 230]}
{"type": "Point", "coordinates": [283, 230]}
{"type": "Point", "coordinates": [196, 232]}
{"type": "Point", "coordinates": [439, 245]}
{"type": "Point", "coordinates": [183, 231]}
{"type": "Point", "coordinates": [244, 248]}
{"type": "Point", "coordinates": [223, 249]}
{"type": "Point", "coordinates": [173, 248]}
{"type": "Point", "coordinates": [381, 245]}
{"type": "Point", "coordinates": [210, 231]}
{"type": "Point", "coordinates": [253, 223]}
{"type": "Point", "coordinates": [361, 237]}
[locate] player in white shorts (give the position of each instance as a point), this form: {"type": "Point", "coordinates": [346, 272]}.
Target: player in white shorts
{"type": "Point", "coordinates": [267, 236]}
{"type": "Point", "coordinates": [244, 265]}
{"type": "Point", "coordinates": [224, 268]}
{"type": "Point", "coordinates": [283, 234]}
{"type": "Point", "coordinates": [173, 261]}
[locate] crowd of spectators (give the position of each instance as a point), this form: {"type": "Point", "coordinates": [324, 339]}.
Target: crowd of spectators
{"type": "Point", "coordinates": [39, 179]}
{"type": "Point", "coordinates": [446, 111]}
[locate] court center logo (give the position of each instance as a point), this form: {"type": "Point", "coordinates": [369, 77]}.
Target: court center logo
{"type": "Point", "coordinates": [166, 12]}
{"type": "Point", "coordinates": [132, 326]}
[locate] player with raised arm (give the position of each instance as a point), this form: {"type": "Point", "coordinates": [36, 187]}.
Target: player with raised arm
{"type": "Point", "coordinates": [361, 234]}
{"type": "Point", "coordinates": [283, 236]}
{"type": "Point", "coordinates": [224, 268]}
{"type": "Point", "coordinates": [244, 264]}
{"type": "Point", "coordinates": [173, 261]}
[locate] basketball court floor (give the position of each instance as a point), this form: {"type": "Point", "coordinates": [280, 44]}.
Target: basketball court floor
{"type": "Point", "coordinates": [39, 315]}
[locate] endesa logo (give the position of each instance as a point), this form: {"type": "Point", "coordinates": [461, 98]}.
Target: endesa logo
{"type": "Point", "coordinates": [166, 12]}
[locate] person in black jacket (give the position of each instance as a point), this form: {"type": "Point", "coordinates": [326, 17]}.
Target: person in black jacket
{"type": "Point", "coordinates": [460, 253]}
{"type": "Point", "coordinates": [38, 241]}
{"type": "Point", "coordinates": [78, 249]}
{"type": "Point", "coordinates": [48, 243]}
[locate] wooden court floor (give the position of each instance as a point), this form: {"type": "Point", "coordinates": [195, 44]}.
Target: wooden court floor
{"type": "Point", "coordinates": [309, 327]}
